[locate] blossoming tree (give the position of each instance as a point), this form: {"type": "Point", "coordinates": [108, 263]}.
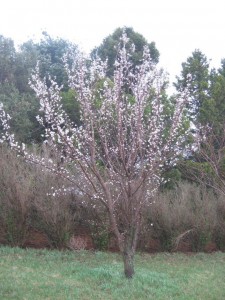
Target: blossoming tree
{"type": "Point", "coordinates": [123, 145]}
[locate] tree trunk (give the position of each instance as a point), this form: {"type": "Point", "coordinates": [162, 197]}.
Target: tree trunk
{"type": "Point", "coordinates": [127, 241]}
{"type": "Point", "coordinates": [128, 253]}
{"type": "Point", "coordinates": [128, 259]}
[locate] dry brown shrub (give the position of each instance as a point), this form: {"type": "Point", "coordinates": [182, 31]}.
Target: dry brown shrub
{"type": "Point", "coordinates": [187, 214]}
{"type": "Point", "coordinates": [189, 217]}
{"type": "Point", "coordinates": [25, 204]}
{"type": "Point", "coordinates": [15, 197]}
{"type": "Point", "coordinates": [53, 215]}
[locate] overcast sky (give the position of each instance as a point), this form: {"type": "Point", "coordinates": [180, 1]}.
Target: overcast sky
{"type": "Point", "coordinates": [177, 27]}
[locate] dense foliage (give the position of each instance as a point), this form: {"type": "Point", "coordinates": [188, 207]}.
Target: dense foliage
{"type": "Point", "coordinates": [109, 48]}
{"type": "Point", "coordinates": [15, 70]}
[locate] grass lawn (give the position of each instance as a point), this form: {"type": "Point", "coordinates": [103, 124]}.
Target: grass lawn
{"type": "Point", "coordinates": [41, 274]}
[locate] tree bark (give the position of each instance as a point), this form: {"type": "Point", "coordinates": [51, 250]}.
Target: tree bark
{"type": "Point", "coordinates": [128, 254]}
{"type": "Point", "coordinates": [128, 259]}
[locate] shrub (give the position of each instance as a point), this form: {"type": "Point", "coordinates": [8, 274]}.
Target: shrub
{"type": "Point", "coordinates": [189, 211]}
{"type": "Point", "coordinates": [25, 203]}
{"type": "Point", "coordinates": [15, 197]}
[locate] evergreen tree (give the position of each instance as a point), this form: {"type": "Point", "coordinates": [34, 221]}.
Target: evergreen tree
{"type": "Point", "coordinates": [109, 48]}
{"type": "Point", "coordinates": [195, 77]}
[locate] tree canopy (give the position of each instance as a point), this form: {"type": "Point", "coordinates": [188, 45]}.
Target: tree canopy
{"type": "Point", "coordinates": [109, 48]}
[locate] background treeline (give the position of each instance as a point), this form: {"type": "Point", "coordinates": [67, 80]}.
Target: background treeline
{"type": "Point", "coordinates": [16, 66]}
{"type": "Point", "coordinates": [191, 206]}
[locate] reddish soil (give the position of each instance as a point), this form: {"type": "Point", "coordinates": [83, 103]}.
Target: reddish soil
{"type": "Point", "coordinates": [36, 239]}
{"type": "Point", "coordinates": [210, 247]}
{"type": "Point", "coordinates": [184, 246]}
{"type": "Point", "coordinates": [153, 246]}
{"type": "Point", "coordinates": [81, 242]}
{"type": "Point", "coordinates": [82, 239]}
{"type": "Point", "coordinates": [2, 236]}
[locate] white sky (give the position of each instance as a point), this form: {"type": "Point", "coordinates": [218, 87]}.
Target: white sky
{"type": "Point", "coordinates": [178, 27]}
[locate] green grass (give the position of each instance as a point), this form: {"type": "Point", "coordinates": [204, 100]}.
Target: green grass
{"type": "Point", "coordinates": [42, 274]}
